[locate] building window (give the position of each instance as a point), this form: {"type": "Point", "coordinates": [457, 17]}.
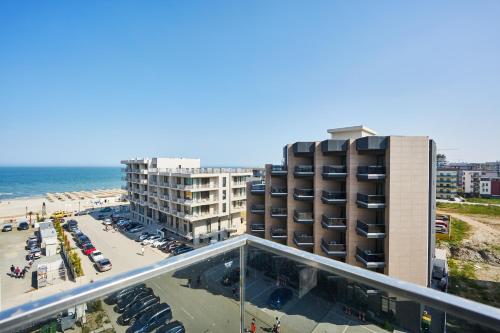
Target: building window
{"type": "Point", "coordinates": [209, 227]}
{"type": "Point", "coordinates": [223, 194]}
{"type": "Point", "coordinates": [223, 181]}
{"type": "Point", "coordinates": [224, 207]}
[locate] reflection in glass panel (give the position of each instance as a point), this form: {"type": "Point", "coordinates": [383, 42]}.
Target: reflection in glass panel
{"type": "Point", "coordinates": [304, 299]}
{"type": "Point", "coordinates": [203, 297]}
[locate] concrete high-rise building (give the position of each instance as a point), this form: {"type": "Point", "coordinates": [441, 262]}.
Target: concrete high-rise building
{"type": "Point", "coordinates": [357, 197]}
{"type": "Point", "coordinates": [200, 204]}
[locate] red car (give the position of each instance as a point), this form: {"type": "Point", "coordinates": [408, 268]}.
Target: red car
{"type": "Point", "coordinates": [88, 248]}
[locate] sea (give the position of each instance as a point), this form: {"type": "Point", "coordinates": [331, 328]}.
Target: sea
{"type": "Point", "coordinates": [16, 182]}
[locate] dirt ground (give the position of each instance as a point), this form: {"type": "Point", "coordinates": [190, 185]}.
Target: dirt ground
{"type": "Point", "coordinates": [482, 249]}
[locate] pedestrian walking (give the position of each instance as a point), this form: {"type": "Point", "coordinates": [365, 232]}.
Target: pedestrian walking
{"type": "Point", "coordinates": [253, 328]}
{"type": "Point", "coordinates": [17, 272]}
{"type": "Point", "coordinates": [12, 270]}
{"type": "Point", "coordinates": [142, 251]}
{"type": "Point", "coordinates": [23, 272]}
{"type": "Point", "coordinates": [189, 283]}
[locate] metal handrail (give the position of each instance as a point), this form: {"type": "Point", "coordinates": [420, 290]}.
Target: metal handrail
{"type": "Point", "coordinates": [15, 317]}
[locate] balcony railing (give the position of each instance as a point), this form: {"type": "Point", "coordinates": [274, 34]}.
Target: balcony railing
{"type": "Point", "coordinates": [278, 233]}
{"type": "Point", "coordinates": [257, 209]}
{"type": "Point", "coordinates": [278, 212]}
{"type": "Point", "coordinates": [334, 197]}
{"type": "Point", "coordinates": [371, 172]}
{"type": "Point", "coordinates": [279, 170]}
{"type": "Point", "coordinates": [336, 223]}
{"type": "Point", "coordinates": [374, 230]}
{"type": "Point", "coordinates": [371, 200]}
{"type": "Point", "coordinates": [370, 258]}
{"type": "Point", "coordinates": [304, 171]}
{"type": "Point", "coordinates": [303, 194]}
{"type": "Point", "coordinates": [279, 191]}
{"type": "Point", "coordinates": [334, 171]}
{"type": "Point", "coordinates": [303, 217]}
{"type": "Point", "coordinates": [245, 254]}
{"type": "Point", "coordinates": [257, 227]}
{"type": "Point", "coordinates": [258, 188]}
{"type": "Point", "coordinates": [333, 248]}
{"type": "Point", "coordinates": [303, 239]}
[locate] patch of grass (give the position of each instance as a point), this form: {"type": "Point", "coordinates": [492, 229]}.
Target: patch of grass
{"type": "Point", "coordinates": [469, 209]}
{"type": "Point", "coordinates": [460, 230]}
{"type": "Point", "coordinates": [494, 201]}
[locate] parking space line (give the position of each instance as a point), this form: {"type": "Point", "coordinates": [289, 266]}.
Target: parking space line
{"type": "Point", "coordinates": [185, 311]}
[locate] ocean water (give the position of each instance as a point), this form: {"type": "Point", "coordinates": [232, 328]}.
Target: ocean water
{"type": "Point", "coordinates": [36, 181]}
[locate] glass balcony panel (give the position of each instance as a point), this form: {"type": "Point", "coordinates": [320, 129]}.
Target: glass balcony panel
{"type": "Point", "coordinates": [333, 197]}
{"type": "Point", "coordinates": [278, 212]}
{"type": "Point", "coordinates": [279, 191]}
{"type": "Point", "coordinates": [304, 170]}
{"type": "Point", "coordinates": [334, 171]}
{"type": "Point", "coordinates": [303, 194]}
{"type": "Point", "coordinates": [279, 170]}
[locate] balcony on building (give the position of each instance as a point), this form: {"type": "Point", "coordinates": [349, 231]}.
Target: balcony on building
{"type": "Point", "coordinates": [279, 170]}
{"type": "Point", "coordinates": [373, 201]}
{"type": "Point", "coordinates": [333, 223]}
{"type": "Point", "coordinates": [257, 209]}
{"type": "Point", "coordinates": [304, 171]}
{"type": "Point", "coordinates": [372, 144]}
{"type": "Point", "coordinates": [303, 217]}
{"type": "Point", "coordinates": [303, 239]}
{"type": "Point", "coordinates": [279, 191]}
{"type": "Point", "coordinates": [371, 172]}
{"type": "Point", "coordinates": [278, 233]}
{"type": "Point", "coordinates": [303, 148]}
{"type": "Point", "coordinates": [258, 188]}
{"type": "Point", "coordinates": [319, 289]}
{"type": "Point", "coordinates": [331, 197]}
{"type": "Point", "coordinates": [333, 248]}
{"type": "Point", "coordinates": [303, 194]}
{"type": "Point", "coordinates": [334, 172]}
{"type": "Point", "coordinates": [334, 147]}
{"type": "Point", "coordinates": [258, 227]}
{"type": "Point", "coordinates": [370, 258]}
{"type": "Point", "coordinates": [370, 230]}
{"type": "Point", "coordinates": [280, 213]}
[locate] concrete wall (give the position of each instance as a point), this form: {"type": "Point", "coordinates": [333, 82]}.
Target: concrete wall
{"type": "Point", "coordinates": [408, 209]}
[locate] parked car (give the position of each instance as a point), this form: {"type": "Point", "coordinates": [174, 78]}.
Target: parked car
{"type": "Point", "coordinates": [181, 249]}
{"type": "Point", "coordinates": [105, 210]}
{"type": "Point", "coordinates": [82, 240]}
{"type": "Point", "coordinates": [107, 222]}
{"type": "Point", "coordinates": [101, 217]}
{"type": "Point", "coordinates": [172, 327]}
{"type": "Point", "coordinates": [137, 309]}
{"type": "Point", "coordinates": [35, 252]}
{"type": "Point", "coordinates": [7, 227]}
{"type": "Point", "coordinates": [125, 303]}
{"type": "Point", "coordinates": [154, 318]}
{"type": "Point", "coordinates": [131, 226]}
{"type": "Point", "coordinates": [96, 256]}
{"type": "Point", "coordinates": [32, 244]}
{"type": "Point", "coordinates": [136, 229]}
{"type": "Point", "coordinates": [81, 213]}
{"type": "Point", "coordinates": [150, 239]}
{"type": "Point", "coordinates": [103, 265]}
{"type": "Point", "coordinates": [279, 298]}
{"type": "Point", "coordinates": [114, 297]}
{"type": "Point", "coordinates": [143, 236]}
{"type": "Point", "coordinates": [23, 226]}
{"type": "Point", "coordinates": [231, 277]}
{"type": "Point", "coordinates": [88, 248]}
{"type": "Point", "coordinates": [158, 242]}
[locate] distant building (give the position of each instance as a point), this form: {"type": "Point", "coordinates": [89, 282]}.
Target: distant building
{"type": "Point", "coordinates": [441, 161]}
{"type": "Point", "coordinates": [446, 183]}
{"type": "Point", "coordinates": [199, 204]}
{"type": "Point", "coordinates": [474, 181]}
{"type": "Point", "coordinates": [489, 187]}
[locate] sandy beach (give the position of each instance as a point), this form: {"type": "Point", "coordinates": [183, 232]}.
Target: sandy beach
{"type": "Point", "coordinates": [68, 201]}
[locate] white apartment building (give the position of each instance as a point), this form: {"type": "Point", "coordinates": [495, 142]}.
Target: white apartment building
{"type": "Point", "coordinates": [200, 204]}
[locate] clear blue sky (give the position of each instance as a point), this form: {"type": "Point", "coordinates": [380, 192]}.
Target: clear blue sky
{"type": "Point", "coordinates": [93, 82]}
